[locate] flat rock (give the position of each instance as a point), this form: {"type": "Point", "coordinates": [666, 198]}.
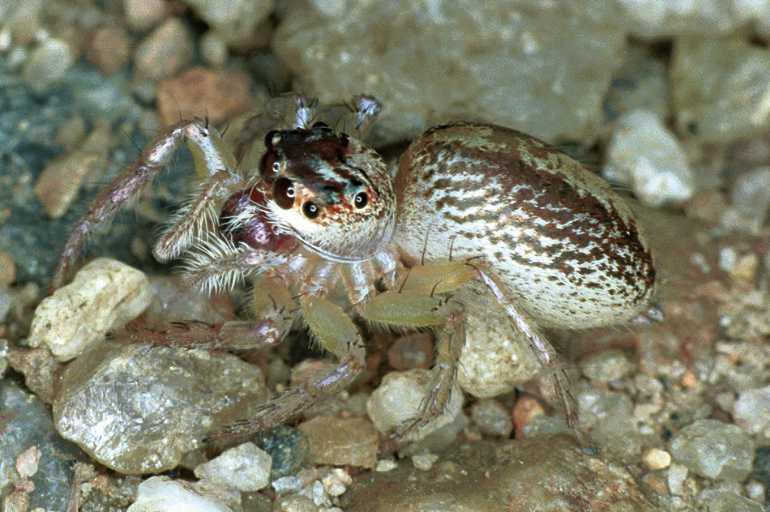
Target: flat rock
{"type": "Point", "coordinates": [104, 295]}
{"type": "Point", "coordinates": [138, 409]}
{"type": "Point", "coordinates": [545, 473]}
{"type": "Point", "coordinates": [341, 441]}
{"type": "Point", "coordinates": [432, 61]}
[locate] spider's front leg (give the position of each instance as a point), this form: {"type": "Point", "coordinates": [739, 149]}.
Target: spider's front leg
{"type": "Point", "coordinates": [336, 333]}
{"type": "Point", "coordinates": [212, 162]}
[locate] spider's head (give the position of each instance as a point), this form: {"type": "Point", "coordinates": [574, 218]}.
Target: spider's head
{"type": "Point", "coordinates": [330, 191]}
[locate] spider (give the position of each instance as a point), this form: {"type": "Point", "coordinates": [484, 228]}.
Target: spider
{"type": "Point", "coordinates": [470, 203]}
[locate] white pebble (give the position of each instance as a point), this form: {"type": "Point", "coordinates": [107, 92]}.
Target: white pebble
{"type": "Point", "coordinates": [424, 461]}
{"type": "Point", "coordinates": [245, 468]}
{"type": "Point", "coordinates": [656, 458]}
{"type": "Point", "coordinates": [336, 482]}
{"type": "Point", "coordinates": [677, 474]}
{"type": "Point", "coordinates": [385, 465]}
{"type": "Point", "coordinates": [161, 494]}
{"type": "Point", "coordinates": [104, 295]}
{"type": "Point", "coordinates": [27, 462]}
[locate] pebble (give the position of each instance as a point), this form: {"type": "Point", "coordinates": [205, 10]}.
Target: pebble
{"type": "Point", "coordinates": [200, 92]}
{"type": "Point", "coordinates": [234, 20]}
{"type": "Point", "coordinates": [677, 474]}
{"type": "Point", "coordinates": [144, 14]}
{"type": "Point", "coordinates": [714, 449]}
{"type": "Point", "coordinates": [109, 48]}
{"type": "Point", "coordinates": [715, 500]}
{"type": "Point", "coordinates": [752, 411]}
{"type": "Point", "coordinates": [398, 399]}
{"type": "Point", "coordinates": [655, 459]}
{"type": "Point", "coordinates": [606, 366]}
{"type": "Point", "coordinates": [609, 416]}
{"type": "Point", "coordinates": [645, 155]}
{"type": "Point", "coordinates": [47, 64]}
{"type": "Point", "coordinates": [161, 494]}
{"type": "Point", "coordinates": [755, 491]}
{"type": "Point", "coordinates": [104, 295]}
{"type": "Point", "coordinates": [424, 461]}
{"type": "Point", "coordinates": [138, 409]}
{"type": "Point", "coordinates": [541, 473]}
{"type": "Point", "coordinates": [7, 271]}
{"type": "Point", "coordinates": [341, 441]}
{"type": "Point", "coordinates": [336, 482]}
{"type": "Point", "coordinates": [27, 462]}
{"type": "Point", "coordinates": [165, 51]}
{"type": "Point", "coordinates": [287, 447]}
{"type": "Point", "coordinates": [492, 418]}
{"type": "Point", "coordinates": [40, 369]}
{"type": "Point", "coordinates": [411, 351]}
{"type": "Point", "coordinates": [385, 465]}
{"type": "Point", "coordinates": [720, 88]}
{"type": "Point", "coordinates": [174, 301]}
{"type": "Point", "coordinates": [525, 410]}
{"type": "Point", "coordinates": [750, 201]}
{"type": "Point", "coordinates": [294, 503]}
{"type": "Point", "coordinates": [544, 425]}
{"type": "Point", "coordinates": [507, 66]}
{"type": "Point", "coordinates": [495, 358]}
{"type": "Point", "coordinates": [213, 49]}
{"type": "Point", "coordinates": [245, 468]}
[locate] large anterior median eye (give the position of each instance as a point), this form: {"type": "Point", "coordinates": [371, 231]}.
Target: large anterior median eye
{"type": "Point", "coordinates": [361, 199]}
{"type": "Point", "coordinates": [284, 193]}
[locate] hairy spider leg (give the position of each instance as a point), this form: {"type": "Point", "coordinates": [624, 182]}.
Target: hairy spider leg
{"type": "Point", "coordinates": [209, 159]}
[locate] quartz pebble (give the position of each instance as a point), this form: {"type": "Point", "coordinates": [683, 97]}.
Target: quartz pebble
{"type": "Point", "coordinates": [200, 92]}
{"type": "Point", "coordinates": [506, 65]}
{"type": "Point", "coordinates": [643, 154]}
{"type": "Point", "coordinates": [677, 473]}
{"type": "Point", "coordinates": [714, 449]}
{"type": "Point", "coordinates": [341, 441]}
{"type": "Point", "coordinates": [47, 64]}
{"type": "Point", "coordinates": [655, 458]}
{"type": "Point", "coordinates": [398, 400]}
{"type": "Point", "coordinates": [27, 462]}
{"type": "Point", "coordinates": [233, 20]}
{"type": "Point", "coordinates": [144, 14]}
{"type": "Point", "coordinates": [138, 408]}
{"type": "Point", "coordinates": [606, 366]}
{"type": "Point", "coordinates": [104, 295]}
{"type": "Point", "coordinates": [245, 468]}
{"type": "Point", "coordinates": [165, 51]}
{"type": "Point", "coordinates": [424, 461]}
{"type": "Point", "coordinates": [720, 88]}
{"type": "Point", "coordinates": [160, 494]}
{"type": "Point", "coordinates": [492, 418]}
{"type": "Point", "coordinates": [752, 411]}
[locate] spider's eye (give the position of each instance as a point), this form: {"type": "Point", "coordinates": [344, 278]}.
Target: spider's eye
{"type": "Point", "coordinates": [276, 166]}
{"type": "Point", "coordinates": [311, 210]}
{"type": "Point", "coordinates": [361, 199]}
{"type": "Point", "coordinates": [284, 193]}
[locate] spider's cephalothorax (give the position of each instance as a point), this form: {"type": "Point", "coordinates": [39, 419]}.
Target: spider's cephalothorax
{"type": "Point", "coordinates": [330, 191]}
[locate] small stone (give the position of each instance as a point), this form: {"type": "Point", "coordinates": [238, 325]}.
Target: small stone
{"type": "Point", "coordinates": [144, 14]}
{"type": "Point", "coordinates": [287, 446]}
{"type": "Point", "coordinates": [761, 471]}
{"type": "Point", "coordinates": [411, 351]}
{"type": "Point", "coordinates": [525, 410]}
{"type": "Point", "coordinates": [47, 64]}
{"type": "Point", "coordinates": [27, 462]}
{"type": "Point", "coordinates": [294, 503]}
{"type": "Point", "coordinates": [385, 465]}
{"type": "Point", "coordinates": [677, 474]}
{"type": "Point", "coordinates": [109, 48]}
{"type": "Point", "coordinates": [137, 408]}
{"type": "Point", "coordinates": [234, 20]}
{"type": "Point", "coordinates": [424, 461]}
{"type": "Point", "coordinates": [165, 52]}
{"type": "Point", "coordinates": [720, 88]}
{"type": "Point", "coordinates": [398, 398]}
{"type": "Point", "coordinates": [213, 49]}
{"type": "Point", "coordinates": [544, 425]}
{"type": "Point", "coordinates": [160, 493]}
{"type": "Point", "coordinates": [716, 500]}
{"type": "Point", "coordinates": [217, 95]}
{"type": "Point", "coordinates": [750, 201]}
{"type": "Point", "coordinates": [609, 416]}
{"type": "Point", "coordinates": [40, 369]}
{"type": "Point", "coordinates": [755, 491]}
{"type": "Point", "coordinates": [492, 418]}
{"type": "Point", "coordinates": [104, 295]}
{"type": "Point", "coordinates": [655, 459]}
{"type": "Point", "coordinates": [606, 366]}
{"type": "Point", "coordinates": [7, 271]}
{"type": "Point", "coordinates": [646, 156]}
{"type": "Point", "coordinates": [336, 482]}
{"type": "Point", "coordinates": [245, 468]}
{"type": "Point", "coordinates": [714, 449]}
{"type": "Point", "coordinates": [752, 411]}
{"type": "Point", "coordinates": [341, 441]}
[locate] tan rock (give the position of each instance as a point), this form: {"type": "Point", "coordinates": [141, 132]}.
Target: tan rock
{"type": "Point", "coordinates": [341, 441]}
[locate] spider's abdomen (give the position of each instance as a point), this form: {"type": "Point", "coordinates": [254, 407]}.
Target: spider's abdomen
{"type": "Point", "coordinates": [567, 246]}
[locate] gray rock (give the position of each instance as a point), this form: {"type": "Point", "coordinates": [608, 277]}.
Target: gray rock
{"type": "Point", "coordinates": [752, 410]}
{"type": "Point", "coordinates": [233, 20]}
{"type": "Point", "coordinates": [507, 62]}
{"type": "Point", "coordinates": [606, 366]}
{"type": "Point", "coordinates": [245, 468]}
{"type": "Point", "coordinates": [543, 473]}
{"type": "Point", "coordinates": [287, 447]}
{"type": "Point", "coordinates": [643, 154]}
{"type": "Point", "coordinates": [26, 422]}
{"type": "Point", "coordinates": [750, 198]}
{"type": "Point", "coordinates": [714, 449]}
{"type": "Point", "coordinates": [492, 418]}
{"type": "Point", "coordinates": [138, 409]}
{"type": "Point", "coordinates": [165, 51]}
{"type": "Point", "coordinates": [720, 88]}
{"type": "Point", "coordinates": [48, 64]}
{"type": "Point", "coordinates": [609, 417]}
{"type": "Point", "coordinates": [714, 500]}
